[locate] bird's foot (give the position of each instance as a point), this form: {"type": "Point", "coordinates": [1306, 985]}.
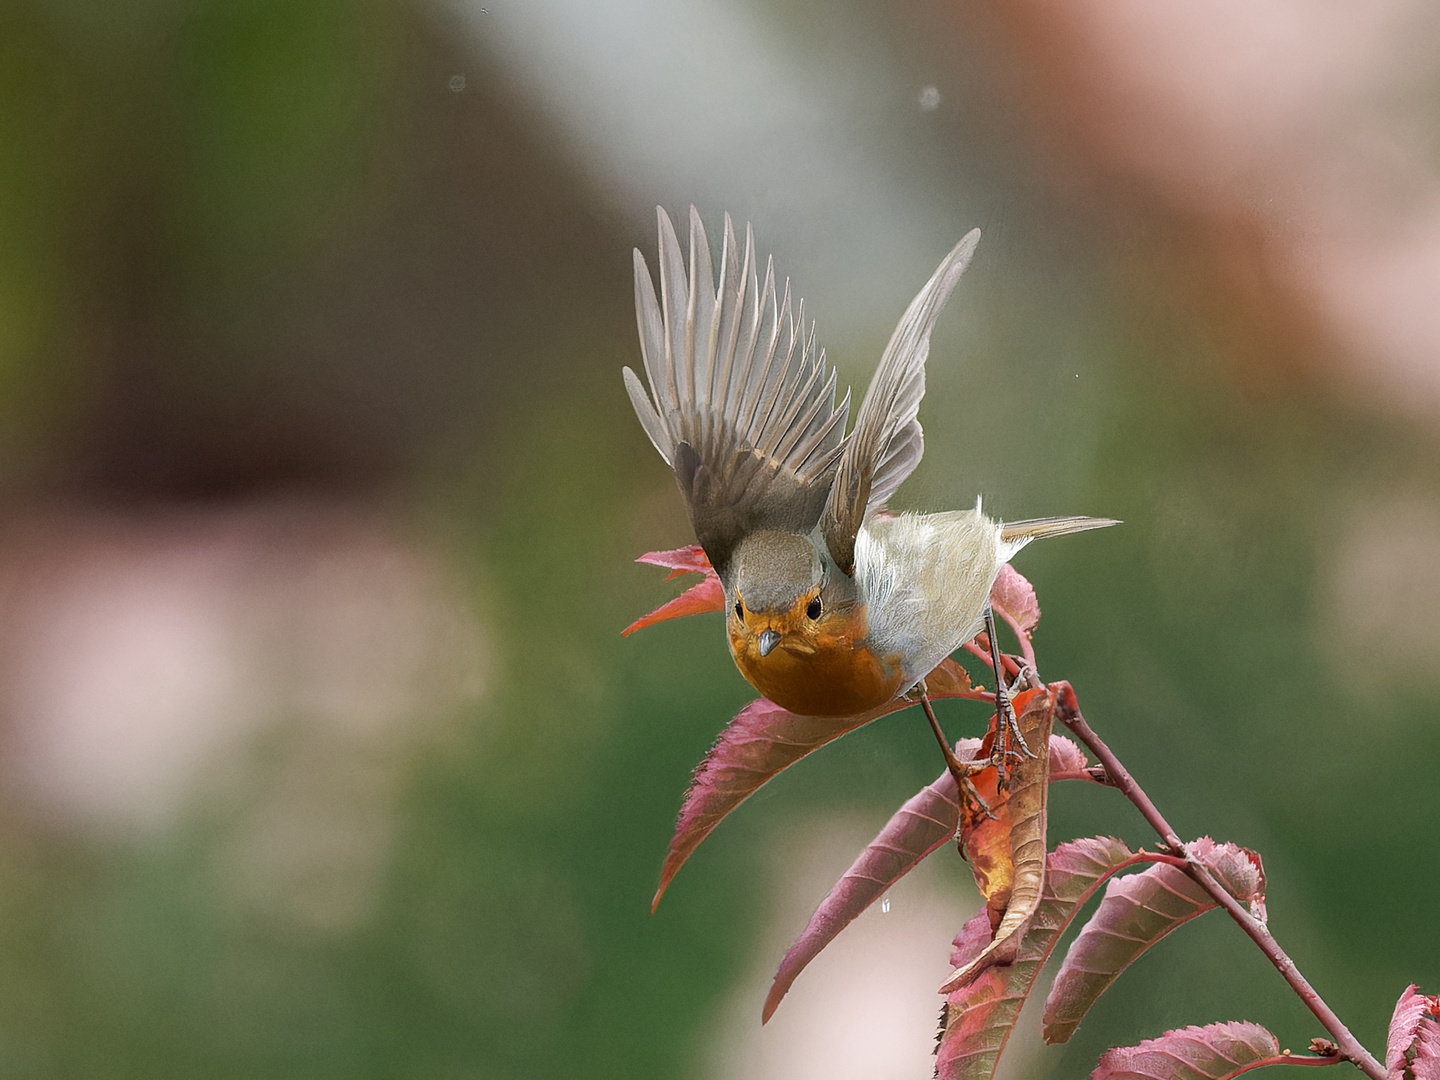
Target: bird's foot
{"type": "Point", "coordinates": [1009, 746]}
{"type": "Point", "coordinates": [969, 788]}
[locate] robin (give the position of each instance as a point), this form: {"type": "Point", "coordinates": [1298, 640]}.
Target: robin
{"type": "Point", "coordinates": [835, 606]}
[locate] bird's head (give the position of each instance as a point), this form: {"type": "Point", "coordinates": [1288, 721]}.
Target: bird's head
{"type": "Point", "coordinates": [780, 594]}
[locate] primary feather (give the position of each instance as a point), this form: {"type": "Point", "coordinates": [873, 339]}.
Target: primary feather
{"type": "Point", "coordinates": [887, 442]}
{"type": "Point", "coordinates": [741, 401]}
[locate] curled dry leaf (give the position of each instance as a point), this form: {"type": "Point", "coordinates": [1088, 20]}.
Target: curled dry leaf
{"type": "Point", "coordinates": [1138, 911]}
{"type": "Point", "coordinates": [1016, 596]}
{"type": "Point", "coordinates": [922, 825]}
{"type": "Point", "coordinates": [762, 740]}
{"type": "Point", "coordinates": [917, 830]}
{"type": "Point", "coordinates": [1006, 844]}
{"type": "Point", "coordinates": [978, 1017]}
{"type": "Point", "coordinates": [1212, 1052]}
{"type": "Point", "coordinates": [705, 596]}
{"type": "Point", "coordinates": [1412, 1051]}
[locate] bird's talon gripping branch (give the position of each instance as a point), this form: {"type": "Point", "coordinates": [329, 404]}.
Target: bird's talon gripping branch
{"type": "Point", "coordinates": [1007, 728]}
{"type": "Point", "coordinates": [977, 799]}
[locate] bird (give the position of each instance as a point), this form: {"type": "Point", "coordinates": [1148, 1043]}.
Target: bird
{"type": "Point", "coordinates": [834, 604]}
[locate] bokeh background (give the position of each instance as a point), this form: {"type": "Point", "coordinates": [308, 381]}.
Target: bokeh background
{"type": "Point", "coordinates": [320, 752]}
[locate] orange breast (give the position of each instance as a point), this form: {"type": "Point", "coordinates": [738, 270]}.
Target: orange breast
{"type": "Point", "coordinates": [830, 674]}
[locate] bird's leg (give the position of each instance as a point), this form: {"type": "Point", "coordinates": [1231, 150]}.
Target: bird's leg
{"type": "Point", "coordinates": [960, 770]}
{"type": "Point", "coordinates": [1007, 728]}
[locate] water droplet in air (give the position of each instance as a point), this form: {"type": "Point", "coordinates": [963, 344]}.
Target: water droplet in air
{"type": "Point", "coordinates": [457, 83]}
{"type": "Point", "coordinates": [930, 98]}
{"type": "Point", "coordinates": [885, 906]}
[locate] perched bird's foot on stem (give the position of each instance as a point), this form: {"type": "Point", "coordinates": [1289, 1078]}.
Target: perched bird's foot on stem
{"type": "Point", "coordinates": [960, 770]}
{"type": "Point", "coordinates": [1007, 728]}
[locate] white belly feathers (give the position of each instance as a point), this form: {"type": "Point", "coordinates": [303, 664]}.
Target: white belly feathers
{"type": "Point", "coordinates": [952, 558]}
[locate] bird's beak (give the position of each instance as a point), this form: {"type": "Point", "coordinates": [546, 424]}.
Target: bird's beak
{"type": "Point", "coordinates": [768, 640]}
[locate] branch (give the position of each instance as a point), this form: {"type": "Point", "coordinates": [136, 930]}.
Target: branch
{"type": "Point", "coordinates": [1068, 710]}
{"type": "Point", "coordinates": [979, 646]}
{"type": "Point", "coordinates": [1027, 647]}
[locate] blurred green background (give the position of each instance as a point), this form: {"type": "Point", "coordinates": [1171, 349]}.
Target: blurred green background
{"type": "Point", "coordinates": [323, 756]}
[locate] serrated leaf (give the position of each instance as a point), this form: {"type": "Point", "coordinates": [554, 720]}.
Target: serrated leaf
{"type": "Point", "coordinates": [1016, 596]}
{"type": "Point", "coordinates": [1212, 1052]}
{"type": "Point", "coordinates": [918, 829]}
{"type": "Point", "coordinates": [926, 822]}
{"type": "Point", "coordinates": [1004, 841]}
{"type": "Point", "coordinates": [760, 742]}
{"type": "Point", "coordinates": [1138, 911]}
{"type": "Point", "coordinates": [708, 595]}
{"type": "Point", "coordinates": [1067, 760]}
{"type": "Point", "coordinates": [978, 1017]}
{"type": "Point", "coordinates": [1412, 1051]}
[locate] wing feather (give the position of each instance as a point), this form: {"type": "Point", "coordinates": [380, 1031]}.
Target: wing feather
{"type": "Point", "coordinates": [652, 338]}
{"type": "Point", "coordinates": [887, 442]}
{"type": "Point", "coordinates": [741, 401]}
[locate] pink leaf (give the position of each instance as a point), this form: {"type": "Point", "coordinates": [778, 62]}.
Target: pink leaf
{"type": "Point", "coordinates": [1066, 758]}
{"type": "Point", "coordinates": [922, 825]}
{"type": "Point", "coordinates": [1137, 912]}
{"type": "Point", "coordinates": [1212, 1052]}
{"type": "Point", "coordinates": [761, 741]}
{"type": "Point", "coordinates": [980, 1015]}
{"type": "Point", "coordinates": [1412, 1051]}
{"type": "Point", "coordinates": [1016, 596]}
{"type": "Point", "coordinates": [708, 595]}
{"type": "Point", "coordinates": [704, 596]}
{"type": "Point", "coordinates": [690, 559]}
{"type": "Point", "coordinates": [919, 828]}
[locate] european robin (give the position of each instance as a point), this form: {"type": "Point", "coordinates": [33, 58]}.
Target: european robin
{"type": "Point", "coordinates": [834, 605]}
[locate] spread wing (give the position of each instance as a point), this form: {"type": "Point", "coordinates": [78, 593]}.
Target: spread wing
{"type": "Point", "coordinates": [741, 402]}
{"type": "Point", "coordinates": [887, 442]}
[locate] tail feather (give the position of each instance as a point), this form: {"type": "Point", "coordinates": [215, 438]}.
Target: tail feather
{"type": "Point", "coordinates": [1019, 533]}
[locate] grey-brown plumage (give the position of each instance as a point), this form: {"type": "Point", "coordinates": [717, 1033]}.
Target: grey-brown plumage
{"type": "Point", "coordinates": [785, 503]}
{"type": "Point", "coordinates": [887, 442]}
{"type": "Point", "coordinates": [743, 405]}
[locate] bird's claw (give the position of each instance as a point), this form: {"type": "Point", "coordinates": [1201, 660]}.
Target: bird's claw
{"type": "Point", "coordinates": [976, 799]}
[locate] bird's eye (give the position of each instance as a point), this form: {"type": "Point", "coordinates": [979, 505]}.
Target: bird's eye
{"type": "Point", "coordinates": [739, 611]}
{"type": "Point", "coordinates": [813, 611]}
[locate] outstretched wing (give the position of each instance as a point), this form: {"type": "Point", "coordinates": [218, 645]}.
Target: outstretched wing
{"type": "Point", "coordinates": [741, 403]}
{"type": "Point", "coordinates": [887, 442]}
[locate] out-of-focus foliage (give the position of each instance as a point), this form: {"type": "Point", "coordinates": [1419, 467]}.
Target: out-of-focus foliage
{"type": "Point", "coordinates": [257, 257]}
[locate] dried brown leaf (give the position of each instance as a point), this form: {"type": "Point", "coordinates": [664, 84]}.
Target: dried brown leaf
{"type": "Point", "coordinates": [1005, 843]}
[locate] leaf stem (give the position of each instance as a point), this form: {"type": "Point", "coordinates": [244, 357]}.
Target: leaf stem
{"type": "Point", "coordinates": [1068, 709]}
{"type": "Point", "coordinates": [1027, 647]}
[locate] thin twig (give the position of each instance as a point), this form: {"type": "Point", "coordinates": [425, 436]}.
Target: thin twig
{"type": "Point", "coordinates": [979, 646]}
{"type": "Point", "coordinates": [1027, 647]}
{"type": "Point", "coordinates": [960, 770]}
{"type": "Point", "coordinates": [974, 650]}
{"type": "Point", "coordinates": [954, 764]}
{"type": "Point", "coordinates": [1350, 1048]}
